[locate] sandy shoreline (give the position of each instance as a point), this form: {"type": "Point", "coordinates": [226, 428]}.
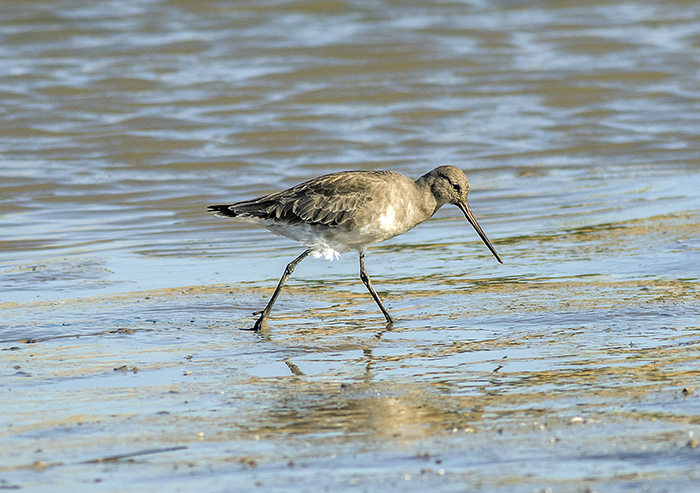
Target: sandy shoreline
{"type": "Point", "coordinates": [168, 388]}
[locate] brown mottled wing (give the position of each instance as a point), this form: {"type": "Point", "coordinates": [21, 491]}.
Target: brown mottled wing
{"type": "Point", "coordinates": [330, 200]}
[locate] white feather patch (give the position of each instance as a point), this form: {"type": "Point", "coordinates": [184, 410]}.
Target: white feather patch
{"type": "Point", "coordinates": [326, 252]}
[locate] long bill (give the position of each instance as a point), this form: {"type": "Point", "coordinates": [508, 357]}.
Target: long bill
{"type": "Point", "coordinates": [464, 207]}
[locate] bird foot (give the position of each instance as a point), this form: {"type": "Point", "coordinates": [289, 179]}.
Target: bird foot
{"type": "Point", "coordinates": [261, 325]}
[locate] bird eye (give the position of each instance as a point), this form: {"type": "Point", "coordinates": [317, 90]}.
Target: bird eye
{"type": "Point", "coordinates": [457, 187]}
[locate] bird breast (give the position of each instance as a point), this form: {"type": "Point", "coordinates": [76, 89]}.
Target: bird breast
{"type": "Point", "coordinates": [394, 218]}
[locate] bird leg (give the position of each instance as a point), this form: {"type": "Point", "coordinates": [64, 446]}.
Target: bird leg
{"type": "Point", "coordinates": [365, 279]}
{"type": "Point", "coordinates": [287, 272]}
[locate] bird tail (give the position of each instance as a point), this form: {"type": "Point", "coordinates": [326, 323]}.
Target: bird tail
{"type": "Point", "coordinates": [222, 210]}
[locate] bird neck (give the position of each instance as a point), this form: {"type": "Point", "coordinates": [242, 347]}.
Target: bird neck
{"type": "Point", "coordinates": [429, 203]}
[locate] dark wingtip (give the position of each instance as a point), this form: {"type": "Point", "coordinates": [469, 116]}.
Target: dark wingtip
{"type": "Point", "coordinates": [222, 210]}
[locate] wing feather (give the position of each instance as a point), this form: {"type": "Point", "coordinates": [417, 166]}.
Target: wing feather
{"type": "Point", "coordinates": [330, 200]}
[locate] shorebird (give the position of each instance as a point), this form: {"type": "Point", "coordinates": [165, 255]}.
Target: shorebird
{"type": "Point", "coordinates": [349, 210]}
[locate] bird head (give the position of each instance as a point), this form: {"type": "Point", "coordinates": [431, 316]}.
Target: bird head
{"type": "Point", "coordinates": [450, 185]}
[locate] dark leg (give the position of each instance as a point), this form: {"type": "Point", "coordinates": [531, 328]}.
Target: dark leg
{"type": "Point", "coordinates": [287, 272]}
{"type": "Point", "coordinates": [365, 279]}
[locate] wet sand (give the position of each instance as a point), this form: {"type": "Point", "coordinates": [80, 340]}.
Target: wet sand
{"type": "Point", "coordinates": [498, 385]}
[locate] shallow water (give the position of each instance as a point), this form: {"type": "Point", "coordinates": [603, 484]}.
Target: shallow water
{"type": "Point", "coordinates": [564, 368]}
